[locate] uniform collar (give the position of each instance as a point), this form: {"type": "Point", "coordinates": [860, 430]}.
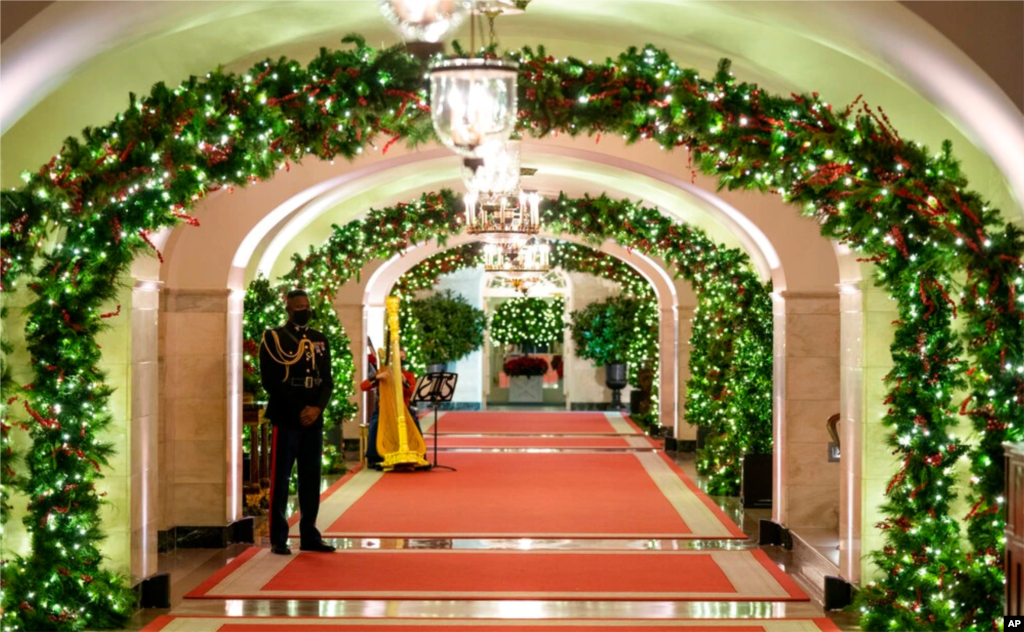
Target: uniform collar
{"type": "Point", "coordinates": [298, 328]}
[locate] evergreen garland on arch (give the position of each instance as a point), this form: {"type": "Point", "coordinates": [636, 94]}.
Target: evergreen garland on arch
{"type": "Point", "coordinates": [888, 198]}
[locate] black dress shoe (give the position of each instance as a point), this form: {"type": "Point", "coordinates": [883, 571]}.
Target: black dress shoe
{"type": "Point", "coordinates": [280, 549]}
{"type": "Point", "coordinates": [319, 547]}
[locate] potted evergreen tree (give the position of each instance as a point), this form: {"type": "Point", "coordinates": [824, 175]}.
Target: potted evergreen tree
{"type": "Point", "coordinates": [602, 332]}
{"type": "Point", "coordinates": [449, 328]}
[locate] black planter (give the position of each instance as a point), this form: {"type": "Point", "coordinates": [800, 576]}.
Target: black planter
{"type": "Point", "coordinates": [756, 481]}
{"type": "Point", "coordinates": [334, 435]}
{"type": "Point", "coordinates": [635, 399]}
{"type": "Point", "coordinates": [702, 436]}
{"type": "Point", "coordinates": [440, 367]}
{"type": "Point", "coordinates": [615, 379]}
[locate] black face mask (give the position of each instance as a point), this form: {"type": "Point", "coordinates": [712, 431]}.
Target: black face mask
{"type": "Point", "coordinates": [301, 317]}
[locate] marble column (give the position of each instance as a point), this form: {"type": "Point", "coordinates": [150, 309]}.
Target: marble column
{"type": "Point", "coordinates": [684, 430]}
{"type": "Point", "coordinates": [194, 435]}
{"type": "Point", "coordinates": [145, 427]}
{"type": "Point", "coordinates": [348, 303]}
{"type": "Point", "coordinates": [668, 364]}
{"type": "Point", "coordinates": [807, 360]}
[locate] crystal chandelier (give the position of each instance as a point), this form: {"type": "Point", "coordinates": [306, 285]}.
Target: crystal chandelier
{"type": "Point", "coordinates": [473, 100]}
{"type": "Point", "coordinates": [503, 218]}
{"type": "Point", "coordinates": [425, 20]}
{"type": "Point", "coordinates": [473, 103]}
{"type": "Point", "coordinates": [496, 174]}
{"type": "Point", "coordinates": [533, 256]}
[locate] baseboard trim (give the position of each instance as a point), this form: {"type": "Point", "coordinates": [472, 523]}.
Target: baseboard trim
{"type": "Point", "coordinates": [154, 592]}
{"type": "Point", "coordinates": [601, 406]}
{"type": "Point", "coordinates": [839, 593]}
{"type": "Point", "coordinates": [185, 537]}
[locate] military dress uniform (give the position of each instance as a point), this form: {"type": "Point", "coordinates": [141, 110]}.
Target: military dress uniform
{"type": "Point", "coordinates": [294, 380]}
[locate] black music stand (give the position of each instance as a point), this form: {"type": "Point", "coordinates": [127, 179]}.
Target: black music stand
{"type": "Point", "coordinates": [435, 388]}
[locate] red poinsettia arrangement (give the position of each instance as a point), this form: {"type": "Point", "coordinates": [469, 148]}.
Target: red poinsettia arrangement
{"type": "Point", "coordinates": [526, 366]}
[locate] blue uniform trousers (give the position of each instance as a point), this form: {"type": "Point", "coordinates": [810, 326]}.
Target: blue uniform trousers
{"type": "Point", "coordinates": [291, 443]}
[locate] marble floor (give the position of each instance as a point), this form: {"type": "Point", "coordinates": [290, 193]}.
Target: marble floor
{"type": "Point", "coordinates": [189, 567]}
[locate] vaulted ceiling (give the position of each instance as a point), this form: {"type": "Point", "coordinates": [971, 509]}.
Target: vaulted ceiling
{"type": "Point", "coordinates": [73, 64]}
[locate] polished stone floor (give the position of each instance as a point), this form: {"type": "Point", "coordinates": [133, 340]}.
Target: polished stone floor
{"type": "Point", "coordinates": [189, 567]}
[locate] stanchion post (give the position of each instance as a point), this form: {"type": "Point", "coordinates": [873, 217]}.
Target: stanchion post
{"type": "Point", "coordinates": [364, 435]}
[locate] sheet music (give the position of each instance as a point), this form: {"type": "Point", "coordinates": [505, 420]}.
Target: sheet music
{"type": "Point", "coordinates": [435, 387]}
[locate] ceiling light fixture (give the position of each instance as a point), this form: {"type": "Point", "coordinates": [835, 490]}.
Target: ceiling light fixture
{"type": "Point", "coordinates": [425, 20]}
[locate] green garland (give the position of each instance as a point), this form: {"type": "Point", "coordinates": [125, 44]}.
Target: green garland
{"type": "Point", "coordinates": [576, 258]}
{"type": "Point", "coordinates": [412, 342]}
{"type": "Point", "coordinates": [425, 274]}
{"type": "Point", "coordinates": [528, 321]}
{"type": "Point", "coordinates": [888, 198]}
{"type": "Point", "coordinates": [565, 255]}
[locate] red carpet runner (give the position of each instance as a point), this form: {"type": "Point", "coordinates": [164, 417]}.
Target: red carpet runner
{"type": "Point", "coordinates": [322, 624]}
{"type": "Point", "coordinates": [580, 495]}
{"type": "Point", "coordinates": [743, 575]}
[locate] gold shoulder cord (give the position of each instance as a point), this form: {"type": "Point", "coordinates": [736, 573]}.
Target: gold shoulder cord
{"type": "Point", "coordinates": [283, 357]}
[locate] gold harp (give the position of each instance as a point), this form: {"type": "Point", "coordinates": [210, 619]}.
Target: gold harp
{"type": "Point", "coordinates": [399, 442]}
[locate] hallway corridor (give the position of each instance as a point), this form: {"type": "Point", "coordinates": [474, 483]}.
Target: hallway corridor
{"type": "Point", "coordinates": [551, 521]}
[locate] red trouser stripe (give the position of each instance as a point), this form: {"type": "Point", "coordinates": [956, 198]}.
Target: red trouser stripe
{"type": "Point", "coordinates": [273, 476]}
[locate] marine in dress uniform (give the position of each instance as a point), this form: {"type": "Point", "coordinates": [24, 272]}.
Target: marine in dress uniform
{"type": "Point", "coordinates": [295, 369]}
